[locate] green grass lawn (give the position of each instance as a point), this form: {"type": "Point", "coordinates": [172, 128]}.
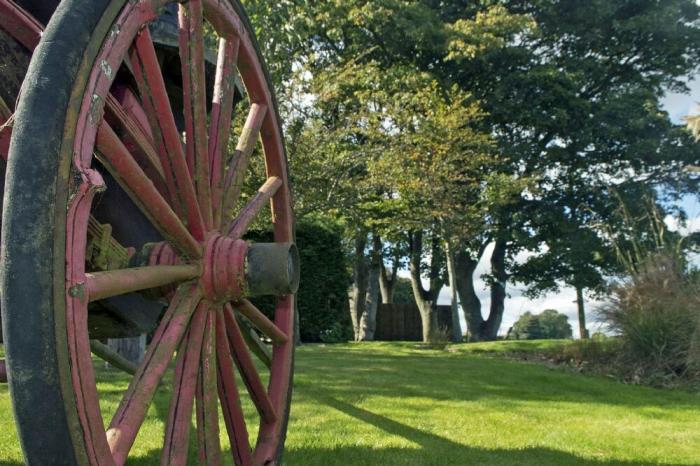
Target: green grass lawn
{"type": "Point", "coordinates": [395, 404]}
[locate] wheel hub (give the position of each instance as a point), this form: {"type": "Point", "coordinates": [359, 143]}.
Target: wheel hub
{"type": "Point", "coordinates": [234, 269]}
{"type": "Point", "coordinates": [224, 268]}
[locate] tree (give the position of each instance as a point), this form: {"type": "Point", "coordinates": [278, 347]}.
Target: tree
{"type": "Point", "coordinates": [575, 102]}
{"type": "Point", "coordinates": [426, 299]}
{"type": "Point", "coordinates": [388, 278]}
{"type": "Point", "coordinates": [571, 249]}
{"type": "Point", "coordinates": [369, 317]}
{"type": "Point", "coordinates": [554, 324]}
{"type": "Point", "coordinates": [454, 300]}
{"type": "Point", "coordinates": [473, 121]}
{"type": "Point", "coordinates": [549, 324]}
{"type": "Point", "coordinates": [436, 164]}
{"type": "Point", "coordinates": [526, 328]}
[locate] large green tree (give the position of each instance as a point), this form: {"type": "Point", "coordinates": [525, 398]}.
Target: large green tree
{"type": "Point", "coordinates": [573, 95]}
{"type": "Point", "coordinates": [568, 90]}
{"type": "Point", "coordinates": [381, 144]}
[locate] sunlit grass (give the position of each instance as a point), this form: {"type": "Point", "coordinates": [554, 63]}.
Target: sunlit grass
{"type": "Point", "coordinates": [395, 404]}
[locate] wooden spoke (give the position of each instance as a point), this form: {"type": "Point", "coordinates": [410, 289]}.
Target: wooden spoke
{"type": "Point", "coordinates": [144, 152]}
{"type": "Point", "coordinates": [5, 112]}
{"type": "Point", "coordinates": [239, 226]}
{"type": "Point", "coordinates": [186, 374]}
{"type": "Point", "coordinates": [166, 137]}
{"type": "Point", "coordinates": [256, 345]}
{"type": "Point", "coordinates": [20, 25]}
{"type": "Point", "coordinates": [3, 371]}
{"type": "Point", "coordinates": [195, 102]}
{"type": "Point", "coordinates": [235, 175]}
{"type": "Point", "coordinates": [282, 367]}
{"type": "Point", "coordinates": [247, 369]}
{"type": "Point", "coordinates": [221, 114]}
{"type": "Point", "coordinates": [5, 136]}
{"type": "Point", "coordinates": [107, 354]}
{"type": "Point", "coordinates": [207, 406]}
{"type": "Point", "coordinates": [134, 405]}
{"type": "Point", "coordinates": [228, 395]}
{"type": "Point", "coordinates": [101, 285]}
{"type": "Point", "coordinates": [117, 159]}
{"type": "Point", "coordinates": [261, 322]}
{"type": "Point", "coordinates": [5, 129]}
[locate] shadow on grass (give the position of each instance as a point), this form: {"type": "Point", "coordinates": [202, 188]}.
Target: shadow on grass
{"type": "Point", "coordinates": [433, 449]}
{"type": "Point", "coordinates": [469, 377]}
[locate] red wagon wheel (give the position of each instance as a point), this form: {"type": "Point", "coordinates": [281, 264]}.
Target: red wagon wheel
{"type": "Point", "coordinates": [75, 129]}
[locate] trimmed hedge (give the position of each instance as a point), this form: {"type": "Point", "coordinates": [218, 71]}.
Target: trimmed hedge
{"type": "Point", "coordinates": [322, 300]}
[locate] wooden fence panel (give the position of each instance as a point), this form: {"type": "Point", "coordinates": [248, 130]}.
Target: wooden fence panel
{"type": "Point", "coordinates": [402, 322]}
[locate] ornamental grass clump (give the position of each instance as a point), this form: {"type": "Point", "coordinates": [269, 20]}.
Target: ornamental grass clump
{"type": "Point", "coordinates": [656, 314]}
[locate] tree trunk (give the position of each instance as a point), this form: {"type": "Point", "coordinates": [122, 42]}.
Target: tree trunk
{"type": "Point", "coordinates": [498, 291]}
{"type": "Point", "coordinates": [368, 321]}
{"type": "Point", "coordinates": [429, 321]}
{"type": "Point", "coordinates": [465, 266]}
{"type": "Point", "coordinates": [387, 283]}
{"type": "Point", "coordinates": [425, 299]}
{"type": "Point", "coordinates": [131, 349]}
{"type": "Point", "coordinates": [358, 291]}
{"type": "Point", "coordinates": [456, 325]}
{"type": "Point", "coordinates": [581, 313]}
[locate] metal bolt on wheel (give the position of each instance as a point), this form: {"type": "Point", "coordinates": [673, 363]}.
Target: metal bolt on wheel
{"type": "Point", "coordinates": [106, 168]}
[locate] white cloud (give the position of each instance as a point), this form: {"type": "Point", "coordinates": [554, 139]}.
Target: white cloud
{"type": "Point", "coordinates": [692, 225]}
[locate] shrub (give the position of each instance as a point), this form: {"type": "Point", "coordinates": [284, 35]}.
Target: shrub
{"type": "Point", "coordinates": [655, 312]}
{"type": "Point", "coordinates": [335, 334]}
{"type": "Point", "coordinates": [550, 324]}
{"type": "Point", "coordinates": [599, 352]}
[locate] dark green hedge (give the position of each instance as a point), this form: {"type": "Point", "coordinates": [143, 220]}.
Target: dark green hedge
{"type": "Point", "coordinates": [322, 300]}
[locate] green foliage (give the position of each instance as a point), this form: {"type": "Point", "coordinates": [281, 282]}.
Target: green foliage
{"type": "Point", "coordinates": [324, 282]}
{"type": "Point", "coordinates": [526, 328]}
{"type": "Point", "coordinates": [655, 309]}
{"type": "Point", "coordinates": [337, 333]}
{"type": "Point", "coordinates": [403, 292]}
{"type": "Point", "coordinates": [491, 29]}
{"type": "Point", "coordinates": [600, 354]}
{"type": "Point", "coordinates": [550, 324]}
{"type": "Point", "coordinates": [554, 324]}
{"type": "Point", "coordinates": [322, 297]}
{"type": "Point", "coordinates": [569, 92]}
{"type": "Point", "coordinates": [484, 120]}
{"type": "Point", "coordinates": [641, 234]}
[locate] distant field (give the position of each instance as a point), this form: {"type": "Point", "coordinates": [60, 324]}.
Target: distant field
{"type": "Point", "coordinates": [395, 404]}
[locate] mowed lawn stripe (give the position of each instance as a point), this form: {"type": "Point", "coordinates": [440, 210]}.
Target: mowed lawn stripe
{"type": "Point", "coordinates": [396, 404]}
